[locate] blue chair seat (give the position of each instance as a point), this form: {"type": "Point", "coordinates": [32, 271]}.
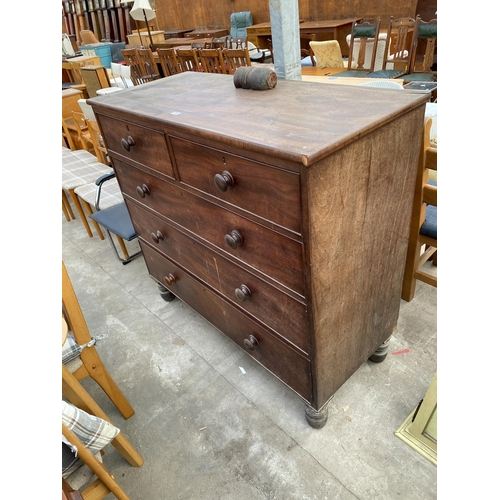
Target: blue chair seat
{"type": "Point", "coordinates": [419, 77]}
{"type": "Point", "coordinates": [429, 227]}
{"type": "Point", "coordinates": [116, 219]}
{"type": "Point", "coordinates": [386, 73]}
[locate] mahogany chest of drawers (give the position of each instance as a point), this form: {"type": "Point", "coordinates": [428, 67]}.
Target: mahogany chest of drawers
{"type": "Point", "coordinates": [281, 216]}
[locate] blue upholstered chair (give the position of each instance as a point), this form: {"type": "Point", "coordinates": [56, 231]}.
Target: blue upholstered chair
{"type": "Point", "coordinates": [239, 22]}
{"type": "Point", "coordinates": [423, 235]}
{"type": "Point", "coordinates": [115, 219]}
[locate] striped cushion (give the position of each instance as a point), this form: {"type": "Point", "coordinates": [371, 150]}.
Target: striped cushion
{"type": "Point", "coordinates": [110, 194]}
{"type": "Point", "coordinates": [70, 349]}
{"type": "Point", "coordinates": [94, 432]}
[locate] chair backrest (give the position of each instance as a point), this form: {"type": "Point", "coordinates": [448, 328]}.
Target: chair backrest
{"type": "Point", "coordinates": [188, 59]}
{"type": "Point", "coordinates": [399, 50]}
{"type": "Point", "coordinates": [327, 54]}
{"type": "Point", "coordinates": [239, 22]}
{"type": "Point", "coordinates": [168, 61]}
{"type": "Point", "coordinates": [95, 78]}
{"type": "Point", "coordinates": [239, 42]}
{"type": "Point", "coordinates": [236, 58]}
{"type": "Point", "coordinates": [427, 34]}
{"type": "Point", "coordinates": [87, 109]}
{"type": "Point", "coordinates": [132, 59]}
{"type": "Point", "coordinates": [98, 142]}
{"type": "Point", "coordinates": [82, 130]}
{"type": "Point", "coordinates": [201, 45]}
{"type": "Point", "coordinates": [212, 61]}
{"type": "Point", "coordinates": [149, 68]}
{"type": "Point", "coordinates": [221, 43]}
{"type": "Point", "coordinates": [87, 37]}
{"type": "Point", "coordinates": [362, 35]}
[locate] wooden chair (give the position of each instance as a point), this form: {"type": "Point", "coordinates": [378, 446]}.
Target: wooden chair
{"type": "Point", "coordinates": [201, 45]}
{"type": "Point", "coordinates": [132, 60]}
{"type": "Point", "coordinates": [100, 149]}
{"type": "Point", "coordinates": [327, 54]}
{"type": "Point", "coordinates": [188, 60]}
{"type": "Point", "coordinates": [83, 132]}
{"type": "Point", "coordinates": [91, 363]}
{"type": "Point", "coordinates": [401, 39]}
{"type": "Point", "coordinates": [235, 58]}
{"type": "Point", "coordinates": [148, 65]}
{"type": "Point", "coordinates": [220, 43]}
{"type": "Point", "coordinates": [95, 78]}
{"type": "Point", "coordinates": [423, 228]}
{"type": "Point", "coordinates": [361, 35]}
{"type": "Point", "coordinates": [306, 52]}
{"type": "Point", "coordinates": [212, 61]}
{"type": "Point", "coordinates": [420, 68]}
{"type": "Point", "coordinates": [169, 62]}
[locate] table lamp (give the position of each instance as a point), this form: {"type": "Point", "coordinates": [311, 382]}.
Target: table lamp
{"type": "Point", "coordinates": [141, 10]}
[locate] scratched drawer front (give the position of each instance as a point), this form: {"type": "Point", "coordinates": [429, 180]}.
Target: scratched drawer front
{"type": "Point", "coordinates": [271, 253]}
{"type": "Point", "coordinates": [149, 148]}
{"type": "Point", "coordinates": [276, 309]}
{"type": "Point", "coordinates": [289, 366]}
{"type": "Point", "coordinates": [266, 191]}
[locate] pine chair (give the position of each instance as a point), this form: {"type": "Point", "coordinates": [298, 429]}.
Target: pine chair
{"type": "Point", "coordinates": [83, 132]}
{"type": "Point", "coordinates": [82, 362]}
{"type": "Point", "coordinates": [168, 61]}
{"type": "Point", "coordinates": [212, 61]}
{"type": "Point", "coordinates": [402, 35]}
{"type": "Point", "coordinates": [364, 35]}
{"type": "Point", "coordinates": [423, 228]}
{"type": "Point", "coordinates": [100, 149]}
{"type": "Point", "coordinates": [235, 58]}
{"type": "Point", "coordinates": [421, 70]}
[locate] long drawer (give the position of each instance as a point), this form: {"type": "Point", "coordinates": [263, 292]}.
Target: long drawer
{"type": "Point", "coordinates": [240, 181]}
{"type": "Point", "coordinates": [146, 146]}
{"type": "Point", "coordinates": [282, 313]}
{"type": "Point", "coordinates": [288, 365]}
{"type": "Point", "coordinates": [274, 254]}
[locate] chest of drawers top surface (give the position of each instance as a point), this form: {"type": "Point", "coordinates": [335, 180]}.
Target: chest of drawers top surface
{"type": "Point", "coordinates": [297, 121]}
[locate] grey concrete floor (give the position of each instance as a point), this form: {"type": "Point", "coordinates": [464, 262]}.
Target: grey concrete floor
{"type": "Point", "coordinates": [211, 423]}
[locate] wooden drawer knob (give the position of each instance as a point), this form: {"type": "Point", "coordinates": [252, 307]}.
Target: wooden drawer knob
{"type": "Point", "coordinates": [127, 143]}
{"type": "Point", "coordinates": [170, 279]}
{"type": "Point", "coordinates": [156, 237]}
{"type": "Point", "coordinates": [243, 293]}
{"type": "Point", "coordinates": [233, 239]}
{"type": "Point", "coordinates": [251, 343]}
{"type": "Point", "coordinates": [223, 181]}
{"type": "Point", "coordinates": [143, 190]}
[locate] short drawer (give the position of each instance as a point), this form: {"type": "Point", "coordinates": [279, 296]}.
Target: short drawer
{"type": "Point", "coordinates": [258, 298]}
{"type": "Point", "coordinates": [272, 253]}
{"type": "Point", "coordinates": [288, 365]}
{"type": "Point", "coordinates": [146, 146]}
{"type": "Point", "coordinates": [269, 192]}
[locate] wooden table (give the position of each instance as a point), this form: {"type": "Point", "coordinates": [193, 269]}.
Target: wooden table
{"type": "Point", "coordinates": [259, 33]}
{"type": "Point", "coordinates": [176, 33]}
{"type": "Point", "coordinates": [212, 33]}
{"type": "Point", "coordinates": [176, 42]}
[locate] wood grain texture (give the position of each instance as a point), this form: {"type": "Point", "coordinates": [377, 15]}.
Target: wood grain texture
{"type": "Point", "coordinates": [358, 238]}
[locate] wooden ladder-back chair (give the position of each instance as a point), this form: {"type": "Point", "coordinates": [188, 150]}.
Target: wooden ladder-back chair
{"type": "Point", "coordinates": [188, 60]}
{"type": "Point", "coordinates": [148, 65]}
{"type": "Point", "coordinates": [212, 61]}
{"type": "Point", "coordinates": [423, 229]}
{"type": "Point", "coordinates": [169, 62]}
{"type": "Point", "coordinates": [83, 132]}
{"type": "Point", "coordinates": [98, 142]}
{"type": "Point", "coordinates": [221, 43]}
{"type": "Point", "coordinates": [235, 58]}
{"type": "Point", "coordinates": [399, 47]}
{"type": "Point", "coordinates": [132, 60]}
{"type": "Point", "coordinates": [91, 363]}
{"type": "Point", "coordinates": [362, 35]}
{"type": "Point", "coordinates": [420, 69]}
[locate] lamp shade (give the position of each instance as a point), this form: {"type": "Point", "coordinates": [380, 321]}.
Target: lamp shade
{"type": "Point", "coordinates": [141, 8]}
